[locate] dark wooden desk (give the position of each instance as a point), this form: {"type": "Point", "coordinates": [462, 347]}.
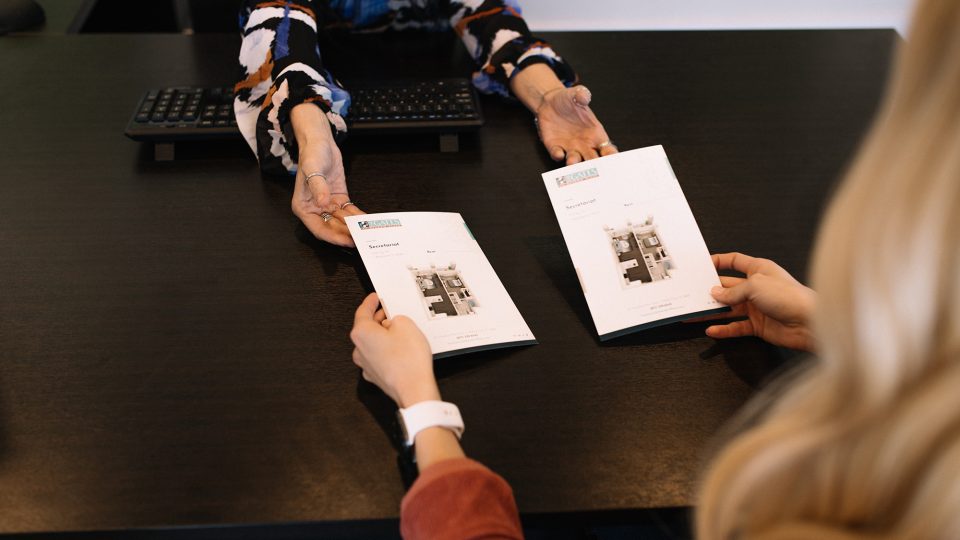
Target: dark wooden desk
{"type": "Point", "coordinates": [173, 346]}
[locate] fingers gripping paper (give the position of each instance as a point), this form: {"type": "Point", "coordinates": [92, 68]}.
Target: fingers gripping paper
{"type": "Point", "coordinates": [427, 266]}
{"type": "Point", "coordinates": [638, 252]}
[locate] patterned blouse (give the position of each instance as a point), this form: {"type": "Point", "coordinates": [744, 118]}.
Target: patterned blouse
{"type": "Point", "coordinates": [280, 63]}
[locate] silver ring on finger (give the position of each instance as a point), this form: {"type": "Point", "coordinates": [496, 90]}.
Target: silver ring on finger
{"type": "Point", "coordinates": [605, 144]}
{"type": "Point", "coordinates": [346, 204]}
{"type": "Point", "coordinates": [306, 179]}
{"type": "Point", "coordinates": [326, 216]}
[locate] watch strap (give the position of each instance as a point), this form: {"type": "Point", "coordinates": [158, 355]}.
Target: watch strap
{"type": "Point", "coordinates": [427, 414]}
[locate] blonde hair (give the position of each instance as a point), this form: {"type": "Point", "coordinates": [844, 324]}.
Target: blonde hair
{"type": "Point", "coordinates": [864, 442]}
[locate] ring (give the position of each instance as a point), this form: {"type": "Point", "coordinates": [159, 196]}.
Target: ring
{"type": "Point", "coordinates": [326, 216]}
{"type": "Point", "coordinates": [346, 204]}
{"type": "Point", "coordinates": [306, 179]}
{"type": "Point", "coordinates": [605, 144]}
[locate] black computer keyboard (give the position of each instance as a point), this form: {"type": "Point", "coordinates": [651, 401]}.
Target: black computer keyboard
{"type": "Point", "coordinates": [411, 106]}
{"type": "Point", "coordinates": [194, 113]}
{"type": "Point", "coordinates": [184, 113]}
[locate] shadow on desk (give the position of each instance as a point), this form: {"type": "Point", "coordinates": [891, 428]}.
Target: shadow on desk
{"type": "Point", "coordinates": [213, 150]}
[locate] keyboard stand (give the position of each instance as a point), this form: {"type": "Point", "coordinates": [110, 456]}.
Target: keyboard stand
{"type": "Point", "coordinates": [166, 151]}
{"type": "Point", "coordinates": [449, 142]}
{"type": "Point", "coordinates": [163, 151]}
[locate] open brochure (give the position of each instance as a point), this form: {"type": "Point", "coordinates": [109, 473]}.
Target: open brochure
{"type": "Point", "coordinates": [427, 266]}
{"type": "Point", "coordinates": [638, 252]}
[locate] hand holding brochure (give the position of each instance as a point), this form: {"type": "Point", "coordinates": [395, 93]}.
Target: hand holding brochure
{"type": "Point", "coordinates": [638, 252]}
{"type": "Point", "coordinates": [427, 266]}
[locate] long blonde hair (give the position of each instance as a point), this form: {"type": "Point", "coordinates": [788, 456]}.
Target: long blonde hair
{"type": "Point", "coordinates": [865, 441]}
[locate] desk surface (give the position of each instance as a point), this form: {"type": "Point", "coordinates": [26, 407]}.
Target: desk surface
{"type": "Point", "coordinates": [173, 345]}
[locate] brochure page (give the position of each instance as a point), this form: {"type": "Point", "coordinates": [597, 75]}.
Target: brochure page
{"type": "Point", "coordinates": [638, 252]}
{"type": "Point", "coordinates": [427, 266]}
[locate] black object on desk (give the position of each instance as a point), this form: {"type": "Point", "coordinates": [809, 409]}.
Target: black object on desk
{"type": "Point", "coordinates": [183, 114]}
{"type": "Point", "coordinates": [16, 15]}
{"type": "Point", "coordinates": [440, 106]}
{"type": "Point", "coordinates": [173, 344]}
{"type": "Point", "coordinates": [433, 106]}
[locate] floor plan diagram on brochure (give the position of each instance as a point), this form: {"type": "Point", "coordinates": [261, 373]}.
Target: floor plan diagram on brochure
{"type": "Point", "coordinates": [640, 255]}
{"type": "Point", "coordinates": [444, 292]}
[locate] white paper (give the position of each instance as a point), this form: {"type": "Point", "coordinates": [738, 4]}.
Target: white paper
{"type": "Point", "coordinates": [638, 252]}
{"type": "Point", "coordinates": [427, 266]}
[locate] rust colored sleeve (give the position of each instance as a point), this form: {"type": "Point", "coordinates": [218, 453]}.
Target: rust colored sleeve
{"type": "Point", "coordinates": [459, 499]}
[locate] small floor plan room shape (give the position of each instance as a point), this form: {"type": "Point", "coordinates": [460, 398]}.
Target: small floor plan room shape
{"type": "Point", "coordinates": [444, 292]}
{"type": "Point", "coordinates": [640, 254]}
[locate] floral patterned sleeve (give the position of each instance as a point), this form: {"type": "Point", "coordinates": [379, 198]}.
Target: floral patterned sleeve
{"type": "Point", "coordinates": [497, 37]}
{"type": "Point", "coordinates": [280, 67]}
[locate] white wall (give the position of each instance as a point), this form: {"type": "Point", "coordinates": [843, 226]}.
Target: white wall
{"type": "Point", "coordinates": [714, 14]}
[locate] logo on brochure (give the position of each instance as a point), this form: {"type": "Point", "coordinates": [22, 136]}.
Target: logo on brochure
{"type": "Point", "coordinates": [378, 223]}
{"type": "Point", "coordinates": [579, 176]}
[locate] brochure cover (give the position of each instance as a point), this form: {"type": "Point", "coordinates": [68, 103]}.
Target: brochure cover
{"type": "Point", "coordinates": [427, 266]}
{"type": "Point", "coordinates": [638, 252]}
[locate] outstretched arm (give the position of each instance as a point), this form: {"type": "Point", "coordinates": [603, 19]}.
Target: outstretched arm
{"type": "Point", "coordinates": [454, 497]}
{"type": "Point", "coordinates": [566, 124]}
{"type": "Point", "coordinates": [280, 68]}
{"type": "Point", "coordinates": [290, 110]}
{"type": "Point", "coordinates": [513, 62]}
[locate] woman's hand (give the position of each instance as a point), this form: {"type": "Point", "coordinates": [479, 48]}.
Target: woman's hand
{"type": "Point", "coordinates": [567, 126]}
{"type": "Point", "coordinates": [393, 355]}
{"type": "Point", "coordinates": [320, 201]}
{"type": "Point", "coordinates": [569, 129]}
{"type": "Point", "coordinates": [777, 307]}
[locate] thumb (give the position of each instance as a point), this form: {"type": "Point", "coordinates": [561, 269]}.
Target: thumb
{"type": "Point", "coordinates": [732, 295]}
{"type": "Point", "coordinates": [581, 95]}
{"type": "Point", "coordinates": [316, 186]}
{"type": "Point", "coordinates": [366, 309]}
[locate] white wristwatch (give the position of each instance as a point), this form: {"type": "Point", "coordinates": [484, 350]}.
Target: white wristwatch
{"type": "Point", "coordinates": [427, 414]}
